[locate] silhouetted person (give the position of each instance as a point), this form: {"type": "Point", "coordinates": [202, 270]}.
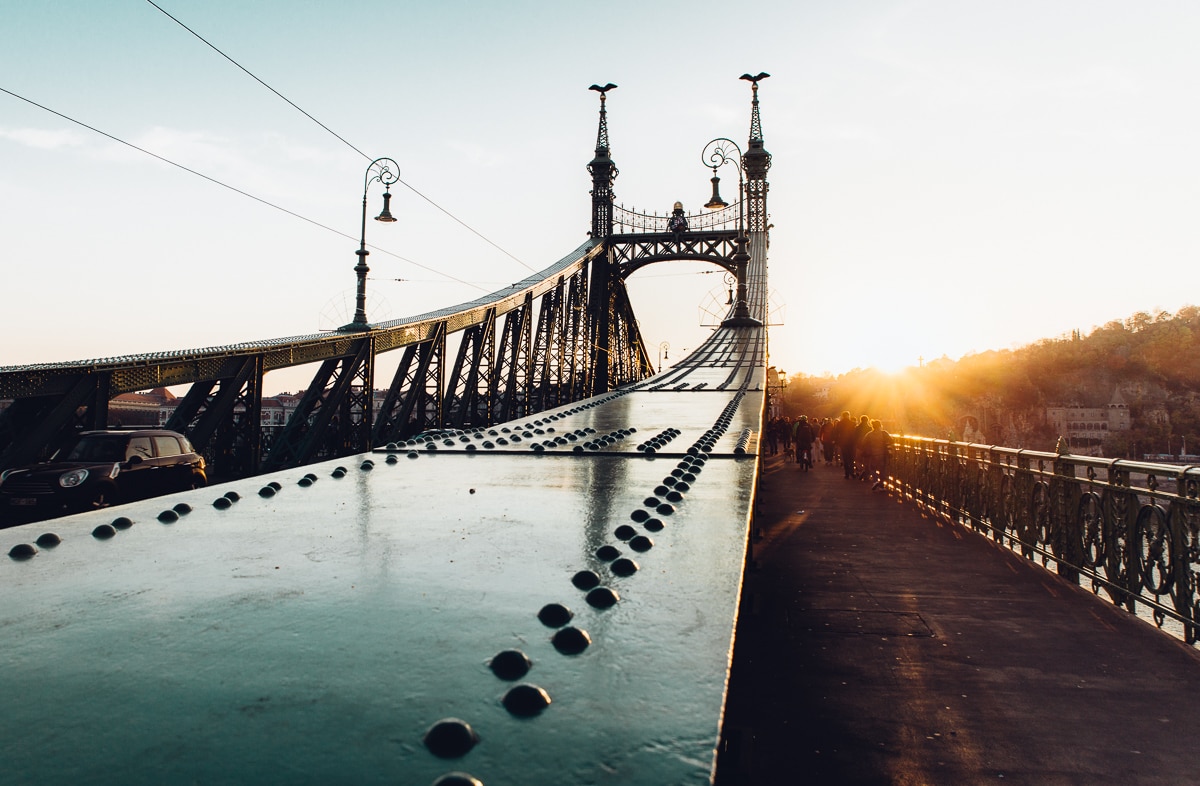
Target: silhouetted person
{"type": "Point", "coordinates": [677, 224]}
{"type": "Point", "coordinates": [874, 449]}
{"type": "Point", "coordinates": [860, 431]}
{"type": "Point", "coordinates": [804, 439]}
{"type": "Point", "coordinates": [828, 446]}
{"type": "Point", "coordinates": [843, 435]}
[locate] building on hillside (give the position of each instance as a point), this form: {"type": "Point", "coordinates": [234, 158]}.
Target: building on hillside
{"type": "Point", "coordinates": [1086, 427]}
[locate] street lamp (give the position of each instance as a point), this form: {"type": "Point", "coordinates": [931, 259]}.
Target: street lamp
{"type": "Point", "coordinates": [662, 354]}
{"type": "Point", "coordinates": [715, 155]}
{"type": "Point", "coordinates": [386, 171]}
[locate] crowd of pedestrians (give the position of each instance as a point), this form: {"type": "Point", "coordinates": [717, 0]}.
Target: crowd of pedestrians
{"type": "Point", "coordinates": [859, 445]}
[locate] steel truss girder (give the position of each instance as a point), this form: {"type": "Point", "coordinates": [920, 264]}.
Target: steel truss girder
{"type": "Point", "coordinates": [468, 403]}
{"type": "Point", "coordinates": [512, 364]}
{"type": "Point", "coordinates": [631, 362]}
{"type": "Point", "coordinates": [414, 401]}
{"type": "Point", "coordinates": [546, 362]}
{"type": "Point", "coordinates": [323, 423]}
{"type": "Point", "coordinates": [540, 363]}
{"type": "Point", "coordinates": [577, 350]}
{"type": "Point", "coordinates": [617, 350]}
{"type": "Point", "coordinates": [632, 252]}
{"type": "Point", "coordinates": [33, 428]}
{"type": "Point", "coordinates": [226, 426]}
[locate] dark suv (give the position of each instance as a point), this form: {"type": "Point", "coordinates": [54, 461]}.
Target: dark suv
{"type": "Point", "coordinates": [101, 468]}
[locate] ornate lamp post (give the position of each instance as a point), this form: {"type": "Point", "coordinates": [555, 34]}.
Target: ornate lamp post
{"type": "Point", "coordinates": [715, 155]}
{"type": "Point", "coordinates": [386, 171]}
{"type": "Point", "coordinates": [662, 354]}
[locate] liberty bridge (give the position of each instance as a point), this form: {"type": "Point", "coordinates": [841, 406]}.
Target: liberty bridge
{"type": "Point", "coordinates": [550, 589]}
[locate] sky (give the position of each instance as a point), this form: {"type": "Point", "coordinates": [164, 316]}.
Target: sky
{"type": "Point", "coordinates": [948, 176]}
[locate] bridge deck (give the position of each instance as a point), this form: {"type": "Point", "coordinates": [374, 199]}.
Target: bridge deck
{"type": "Point", "coordinates": [876, 646]}
{"type": "Point", "coordinates": [314, 634]}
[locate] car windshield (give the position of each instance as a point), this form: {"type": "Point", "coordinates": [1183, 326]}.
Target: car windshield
{"type": "Point", "coordinates": [97, 449]}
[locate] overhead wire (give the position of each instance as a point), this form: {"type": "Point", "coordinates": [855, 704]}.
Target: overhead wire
{"type": "Point", "coordinates": [291, 103]}
{"type": "Point", "coordinates": [235, 189]}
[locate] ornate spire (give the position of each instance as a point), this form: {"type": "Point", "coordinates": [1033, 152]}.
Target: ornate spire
{"type": "Point", "coordinates": [603, 172]}
{"type": "Point", "coordinates": [602, 132]}
{"type": "Point", "coordinates": [755, 120]}
{"type": "Point", "coordinates": [756, 161]}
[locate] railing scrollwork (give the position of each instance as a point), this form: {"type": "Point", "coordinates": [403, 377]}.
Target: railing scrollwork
{"type": "Point", "coordinates": [1128, 530]}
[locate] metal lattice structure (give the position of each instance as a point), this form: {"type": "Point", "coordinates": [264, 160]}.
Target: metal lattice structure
{"type": "Point", "coordinates": [562, 334]}
{"type": "Point", "coordinates": [545, 353]}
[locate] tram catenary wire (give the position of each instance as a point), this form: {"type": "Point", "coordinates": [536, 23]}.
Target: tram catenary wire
{"type": "Point", "coordinates": [235, 189]}
{"type": "Point", "coordinates": [342, 139]}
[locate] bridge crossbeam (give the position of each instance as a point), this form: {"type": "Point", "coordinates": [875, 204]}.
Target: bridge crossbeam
{"type": "Point", "coordinates": [636, 250]}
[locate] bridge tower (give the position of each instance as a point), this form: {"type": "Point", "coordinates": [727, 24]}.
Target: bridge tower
{"type": "Point", "coordinates": [756, 161]}
{"type": "Point", "coordinates": [618, 355]}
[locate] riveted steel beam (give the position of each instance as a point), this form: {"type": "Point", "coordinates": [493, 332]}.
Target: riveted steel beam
{"type": "Point", "coordinates": [321, 426]}
{"type": "Point", "coordinates": [636, 250]}
{"type": "Point", "coordinates": [35, 427]}
{"type": "Point", "coordinates": [467, 400]}
{"type": "Point", "coordinates": [415, 399]}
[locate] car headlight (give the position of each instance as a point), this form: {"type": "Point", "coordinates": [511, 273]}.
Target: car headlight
{"type": "Point", "coordinates": [4, 475]}
{"type": "Point", "coordinates": [73, 478]}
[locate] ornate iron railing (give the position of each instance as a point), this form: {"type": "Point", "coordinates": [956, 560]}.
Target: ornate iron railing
{"type": "Point", "coordinates": [1130, 530]}
{"type": "Point", "coordinates": [628, 220]}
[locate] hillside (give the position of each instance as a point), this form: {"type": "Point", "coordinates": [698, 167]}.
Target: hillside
{"type": "Point", "coordinates": [1147, 364]}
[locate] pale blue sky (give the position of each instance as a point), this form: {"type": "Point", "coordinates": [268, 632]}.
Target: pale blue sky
{"type": "Point", "coordinates": [949, 176]}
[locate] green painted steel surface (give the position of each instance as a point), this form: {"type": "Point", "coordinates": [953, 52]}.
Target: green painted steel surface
{"type": "Point", "coordinates": [315, 635]}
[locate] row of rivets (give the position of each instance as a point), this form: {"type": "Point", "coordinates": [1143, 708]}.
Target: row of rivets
{"type": "Point", "coordinates": [609, 439]}
{"type": "Point", "coordinates": [658, 440]}
{"type": "Point", "coordinates": [172, 515]}
{"type": "Point", "coordinates": [708, 440]}
{"type": "Point", "coordinates": [743, 441]}
{"type": "Point", "coordinates": [454, 738]}
{"type": "Point", "coordinates": [504, 434]}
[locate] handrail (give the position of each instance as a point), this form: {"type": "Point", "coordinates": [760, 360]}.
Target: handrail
{"type": "Point", "coordinates": [626, 219]}
{"type": "Point", "coordinates": [24, 380]}
{"type": "Point", "coordinates": [1130, 529]}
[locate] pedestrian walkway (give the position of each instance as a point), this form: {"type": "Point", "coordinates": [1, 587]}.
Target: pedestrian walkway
{"type": "Point", "coordinates": [876, 646]}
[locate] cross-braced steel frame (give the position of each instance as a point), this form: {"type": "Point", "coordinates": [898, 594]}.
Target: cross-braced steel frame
{"type": "Point", "coordinates": [565, 333]}
{"type": "Point", "coordinates": [551, 339]}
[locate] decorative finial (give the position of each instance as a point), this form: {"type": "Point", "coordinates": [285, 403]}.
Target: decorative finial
{"type": "Point", "coordinates": [756, 134]}
{"type": "Point", "coordinates": [1062, 448]}
{"type": "Point", "coordinates": [602, 132]}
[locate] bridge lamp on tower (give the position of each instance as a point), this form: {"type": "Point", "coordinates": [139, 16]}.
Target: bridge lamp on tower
{"type": "Point", "coordinates": [387, 172]}
{"type": "Point", "coordinates": [716, 154]}
{"type": "Point", "coordinates": [662, 354]}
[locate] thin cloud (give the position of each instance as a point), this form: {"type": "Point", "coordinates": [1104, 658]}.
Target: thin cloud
{"type": "Point", "coordinates": [44, 138]}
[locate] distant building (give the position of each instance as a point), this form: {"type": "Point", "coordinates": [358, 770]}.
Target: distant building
{"type": "Point", "coordinates": [1086, 427]}
{"type": "Point", "coordinates": [140, 409]}
{"type": "Point", "coordinates": [276, 410]}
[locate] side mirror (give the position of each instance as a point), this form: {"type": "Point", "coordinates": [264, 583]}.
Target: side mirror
{"type": "Point", "coordinates": [133, 461]}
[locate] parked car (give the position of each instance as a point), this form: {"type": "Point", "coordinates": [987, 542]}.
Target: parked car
{"type": "Point", "coordinates": [99, 469]}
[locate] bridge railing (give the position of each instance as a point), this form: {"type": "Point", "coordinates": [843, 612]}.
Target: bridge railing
{"type": "Point", "coordinates": [1130, 531]}
{"type": "Point", "coordinates": [628, 220]}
